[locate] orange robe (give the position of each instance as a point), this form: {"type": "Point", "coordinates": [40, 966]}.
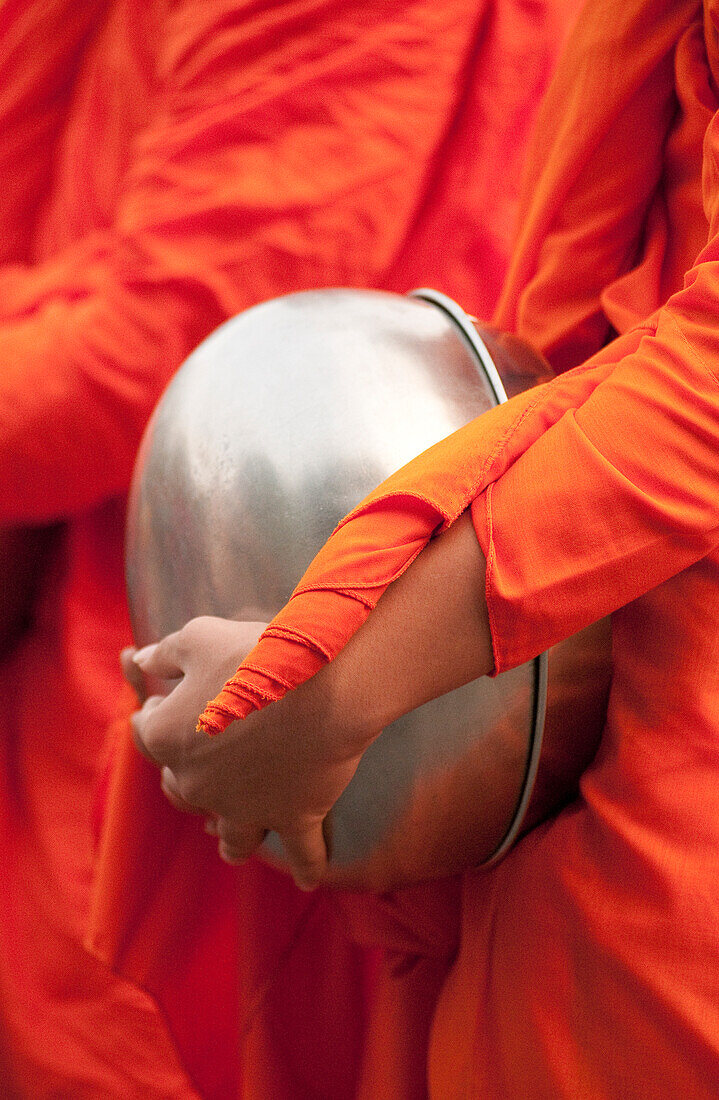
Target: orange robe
{"type": "Point", "coordinates": [166, 164]}
{"type": "Point", "coordinates": [588, 962]}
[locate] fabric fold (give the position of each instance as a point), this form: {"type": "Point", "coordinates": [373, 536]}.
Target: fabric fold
{"type": "Point", "coordinates": [379, 539]}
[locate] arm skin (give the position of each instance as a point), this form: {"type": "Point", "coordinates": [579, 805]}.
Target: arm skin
{"type": "Point", "coordinates": [284, 767]}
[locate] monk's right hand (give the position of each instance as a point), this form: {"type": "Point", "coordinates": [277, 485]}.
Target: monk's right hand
{"type": "Point", "coordinates": [281, 768]}
{"type": "Point", "coordinates": [154, 676]}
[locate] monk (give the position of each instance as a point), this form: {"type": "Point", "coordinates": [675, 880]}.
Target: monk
{"type": "Point", "coordinates": [165, 165]}
{"type": "Point", "coordinates": [588, 961]}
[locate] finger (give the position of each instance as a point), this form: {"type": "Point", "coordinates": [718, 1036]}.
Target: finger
{"type": "Point", "coordinates": [163, 659]}
{"type": "Point", "coordinates": [238, 842]}
{"type": "Point", "coordinates": [161, 727]}
{"type": "Point", "coordinates": [168, 782]}
{"type": "Point", "coordinates": [306, 853]}
{"type": "Point", "coordinates": [133, 673]}
{"type": "Point", "coordinates": [139, 720]}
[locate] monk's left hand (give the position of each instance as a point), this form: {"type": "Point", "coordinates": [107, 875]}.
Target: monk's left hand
{"type": "Point", "coordinates": [281, 768]}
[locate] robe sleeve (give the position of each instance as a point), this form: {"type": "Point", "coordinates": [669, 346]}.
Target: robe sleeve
{"type": "Point", "coordinates": [586, 492]}
{"type": "Point", "coordinates": [286, 149]}
{"type": "Point", "coordinates": [618, 495]}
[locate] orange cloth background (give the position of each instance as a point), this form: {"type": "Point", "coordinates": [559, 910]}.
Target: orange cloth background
{"type": "Point", "coordinates": [588, 961]}
{"type": "Point", "coordinates": [164, 165]}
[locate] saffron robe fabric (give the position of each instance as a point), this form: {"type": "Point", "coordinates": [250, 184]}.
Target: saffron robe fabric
{"type": "Point", "coordinates": [166, 164]}
{"type": "Point", "coordinates": [588, 961]}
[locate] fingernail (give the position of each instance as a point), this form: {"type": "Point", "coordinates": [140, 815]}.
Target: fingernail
{"type": "Point", "coordinates": [144, 655]}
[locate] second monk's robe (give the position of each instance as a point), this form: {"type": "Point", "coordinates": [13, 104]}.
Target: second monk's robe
{"type": "Point", "coordinates": [164, 165]}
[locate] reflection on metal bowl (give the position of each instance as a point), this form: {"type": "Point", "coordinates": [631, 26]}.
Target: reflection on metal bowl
{"type": "Point", "coordinates": [276, 426]}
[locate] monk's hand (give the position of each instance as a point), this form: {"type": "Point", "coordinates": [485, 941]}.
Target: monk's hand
{"type": "Point", "coordinates": [281, 768]}
{"type": "Point", "coordinates": [134, 674]}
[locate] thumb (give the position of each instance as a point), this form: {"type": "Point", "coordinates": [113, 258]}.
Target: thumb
{"type": "Point", "coordinates": [306, 853]}
{"type": "Point", "coordinates": [162, 659]}
{"type": "Point", "coordinates": [133, 673]}
{"type": "Point", "coordinates": [170, 790]}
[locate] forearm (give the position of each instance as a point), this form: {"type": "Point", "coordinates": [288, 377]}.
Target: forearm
{"type": "Point", "coordinates": [428, 634]}
{"type": "Point", "coordinates": [285, 766]}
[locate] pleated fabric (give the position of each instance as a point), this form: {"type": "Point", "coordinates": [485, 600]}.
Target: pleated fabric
{"type": "Point", "coordinates": [166, 164]}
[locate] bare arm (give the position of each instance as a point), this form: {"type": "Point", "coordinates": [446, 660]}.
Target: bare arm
{"type": "Point", "coordinates": [428, 635]}
{"type": "Point", "coordinates": [283, 767]}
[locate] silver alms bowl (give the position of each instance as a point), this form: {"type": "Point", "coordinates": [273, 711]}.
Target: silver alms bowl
{"type": "Point", "coordinates": [272, 430]}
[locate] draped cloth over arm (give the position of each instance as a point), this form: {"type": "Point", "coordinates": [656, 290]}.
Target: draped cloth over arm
{"type": "Point", "coordinates": [362, 557]}
{"type": "Point", "coordinates": [655, 525]}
